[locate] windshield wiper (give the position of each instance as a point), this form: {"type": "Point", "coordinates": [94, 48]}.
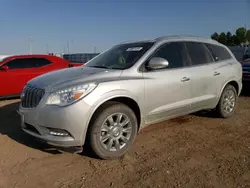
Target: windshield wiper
{"type": "Point", "coordinates": [99, 66]}
{"type": "Point", "coordinates": [103, 67]}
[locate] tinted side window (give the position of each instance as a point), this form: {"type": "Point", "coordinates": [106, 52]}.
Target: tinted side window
{"type": "Point", "coordinates": [27, 63]}
{"type": "Point", "coordinates": [39, 62]}
{"type": "Point", "coordinates": [198, 53]}
{"type": "Point", "coordinates": [17, 64]}
{"type": "Point", "coordinates": [219, 53]}
{"type": "Point", "coordinates": [173, 53]}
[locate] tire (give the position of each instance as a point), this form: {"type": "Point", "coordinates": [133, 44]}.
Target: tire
{"type": "Point", "coordinates": [102, 128]}
{"type": "Point", "coordinates": [228, 92]}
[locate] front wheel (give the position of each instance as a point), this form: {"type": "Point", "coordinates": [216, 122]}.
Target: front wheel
{"type": "Point", "coordinates": [227, 104]}
{"type": "Point", "coordinates": [113, 130]}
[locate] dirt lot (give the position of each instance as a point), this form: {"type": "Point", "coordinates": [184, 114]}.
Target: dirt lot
{"type": "Point", "coordinates": [191, 151]}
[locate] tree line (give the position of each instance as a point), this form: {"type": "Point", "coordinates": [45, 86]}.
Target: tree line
{"type": "Point", "coordinates": [240, 37]}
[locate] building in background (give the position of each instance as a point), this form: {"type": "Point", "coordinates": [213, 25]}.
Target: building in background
{"type": "Point", "coordinates": [79, 57]}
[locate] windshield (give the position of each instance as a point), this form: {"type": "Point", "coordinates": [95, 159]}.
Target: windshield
{"type": "Point", "coordinates": [121, 56]}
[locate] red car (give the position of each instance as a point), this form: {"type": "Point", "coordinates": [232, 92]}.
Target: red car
{"type": "Point", "coordinates": [16, 71]}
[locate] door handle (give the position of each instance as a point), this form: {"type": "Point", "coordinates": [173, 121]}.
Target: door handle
{"type": "Point", "coordinates": [216, 73]}
{"type": "Point", "coordinates": [184, 79]}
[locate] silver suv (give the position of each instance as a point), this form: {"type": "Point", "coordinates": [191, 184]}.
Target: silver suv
{"type": "Point", "coordinates": [128, 87]}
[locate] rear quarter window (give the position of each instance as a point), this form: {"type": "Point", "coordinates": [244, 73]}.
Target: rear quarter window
{"type": "Point", "coordinates": [219, 53]}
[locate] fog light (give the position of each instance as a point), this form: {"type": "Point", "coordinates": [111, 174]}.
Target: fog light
{"type": "Point", "coordinates": [58, 132]}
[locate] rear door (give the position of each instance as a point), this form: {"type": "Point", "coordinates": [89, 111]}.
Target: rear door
{"type": "Point", "coordinates": [202, 82]}
{"type": "Point", "coordinates": [224, 67]}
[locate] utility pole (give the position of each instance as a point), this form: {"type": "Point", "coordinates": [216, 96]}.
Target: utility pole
{"type": "Point", "coordinates": [72, 45]}
{"type": "Point", "coordinates": [30, 45]}
{"type": "Point", "coordinates": [246, 36]}
{"type": "Point", "coordinates": [47, 49]}
{"type": "Point", "coordinates": [68, 46]}
{"type": "Point", "coordinates": [64, 49]}
{"type": "Point", "coordinates": [94, 49]}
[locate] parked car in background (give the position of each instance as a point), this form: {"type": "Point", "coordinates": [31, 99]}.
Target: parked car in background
{"type": "Point", "coordinates": [238, 52]}
{"type": "Point", "coordinates": [246, 73]}
{"type": "Point", "coordinates": [79, 58]}
{"type": "Point", "coordinates": [16, 71]}
{"type": "Point", "coordinates": [3, 56]}
{"type": "Point", "coordinates": [128, 87]}
{"type": "Point", "coordinates": [246, 54]}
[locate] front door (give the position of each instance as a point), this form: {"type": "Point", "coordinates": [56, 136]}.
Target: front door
{"type": "Point", "coordinates": [167, 91]}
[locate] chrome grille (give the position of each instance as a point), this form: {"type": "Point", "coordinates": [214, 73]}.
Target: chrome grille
{"type": "Point", "coordinates": [31, 97]}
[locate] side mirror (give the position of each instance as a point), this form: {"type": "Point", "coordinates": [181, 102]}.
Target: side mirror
{"type": "Point", "coordinates": [157, 63]}
{"type": "Point", "coordinates": [4, 67]}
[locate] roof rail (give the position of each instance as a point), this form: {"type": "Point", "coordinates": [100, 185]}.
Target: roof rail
{"type": "Point", "coordinates": [173, 37]}
{"type": "Point", "coordinates": [184, 36]}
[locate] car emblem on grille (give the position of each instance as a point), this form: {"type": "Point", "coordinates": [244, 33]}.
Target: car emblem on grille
{"type": "Point", "coordinates": [22, 95]}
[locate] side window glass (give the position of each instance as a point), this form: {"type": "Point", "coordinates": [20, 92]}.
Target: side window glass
{"type": "Point", "coordinates": [16, 64]}
{"type": "Point", "coordinates": [198, 53]}
{"type": "Point", "coordinates": [27, 63]}
{"type": "Point", "coordinates": [172, 52]}
{"type": "Point", "coordinates": [36, 62]}
{"type": "Point", "coordinates": [219, 53]}
{"type": "Point", "coordinates": [40, 62]}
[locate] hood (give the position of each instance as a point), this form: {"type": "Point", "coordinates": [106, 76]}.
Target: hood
{"type": "Point", "coordinates": [71, 76]}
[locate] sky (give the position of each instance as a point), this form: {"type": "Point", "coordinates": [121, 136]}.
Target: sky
{"type": "Point", "coordinates": [81, 26]}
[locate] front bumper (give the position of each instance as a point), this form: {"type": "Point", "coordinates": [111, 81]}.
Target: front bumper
{"type": "Point", "coordinates": [72, 119]}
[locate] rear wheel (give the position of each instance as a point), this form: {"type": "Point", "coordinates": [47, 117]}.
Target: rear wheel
{"type": "Point", "coordinates": [227, 104]}
{"type": "Point", "coordinates": [113, 130]}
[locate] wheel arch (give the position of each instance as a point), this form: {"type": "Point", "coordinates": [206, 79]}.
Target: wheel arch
{"type": "Point", "coordinates": [124, 99]}
{"type": "Point", "coordinates": [234, 83]}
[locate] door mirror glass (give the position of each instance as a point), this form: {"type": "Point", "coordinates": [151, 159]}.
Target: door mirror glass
{"type": "Point", "coordinates": [4, 67]}
{"type": "Point", "coordinates": [157, 63]}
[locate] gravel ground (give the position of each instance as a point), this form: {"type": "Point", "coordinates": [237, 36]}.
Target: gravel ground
{"type": "Point", "coordinates": [191, 151]}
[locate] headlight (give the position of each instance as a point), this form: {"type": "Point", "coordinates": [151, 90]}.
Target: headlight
{"type": "Point", "coordinates": [70, 95]}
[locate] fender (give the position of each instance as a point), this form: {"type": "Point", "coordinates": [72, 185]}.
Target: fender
{"type": "Point", "coordinates": [106, 97]}
{"type": "Point", "coordinates": [232, 79]}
